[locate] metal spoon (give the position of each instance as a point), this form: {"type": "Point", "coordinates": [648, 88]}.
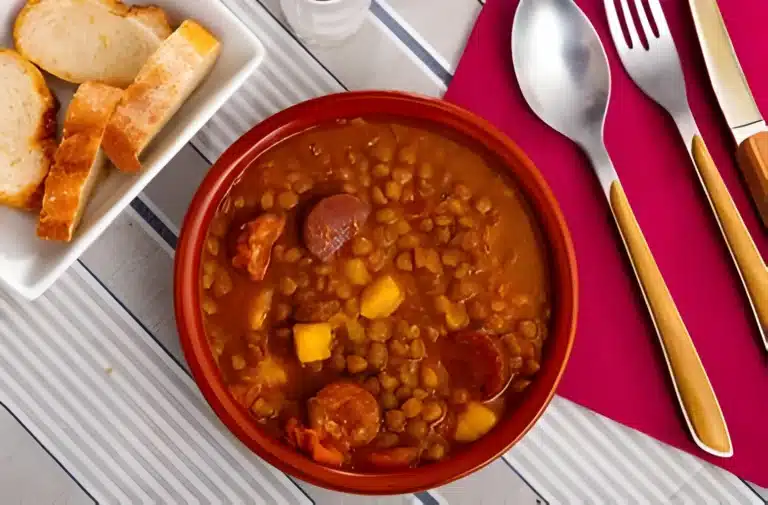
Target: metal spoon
{"type": "Point", "coordinates": [564, 75]}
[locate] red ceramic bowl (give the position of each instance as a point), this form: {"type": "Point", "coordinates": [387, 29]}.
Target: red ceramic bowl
{"type": "Point", "coordinates": [399, 105]}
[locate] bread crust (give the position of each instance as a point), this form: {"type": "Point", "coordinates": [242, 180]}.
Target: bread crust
{"type": "Point", "coordinates": [156, 93]}
{"type": "Point", "coordinates": [77, 159]}
{"type": "Point", "coordinates": [44, 138]}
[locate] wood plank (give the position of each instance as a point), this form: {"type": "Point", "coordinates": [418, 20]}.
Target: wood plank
{"type": "Point", "coordinates": [136, 266]}
{"type": "Point", "coordinates": [444, 40]}
{"type": "Point", "coordinates": [170, 192]}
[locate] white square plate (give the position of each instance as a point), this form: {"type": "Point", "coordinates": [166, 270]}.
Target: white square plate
{"type": "Point", "coordinates": [30, 265]}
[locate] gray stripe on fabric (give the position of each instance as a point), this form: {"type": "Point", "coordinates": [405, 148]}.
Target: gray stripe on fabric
{"type": "Point", "coordinates": [558, 489]}
{"type": "Point", "coordinates": [583, 472]}
{"type": "Point", "coordinates": [154, 222]}
{"type": "Point", "coordinates": [19, 385]}
{"type": "Point", "coordinates": [426, 498]}
{"type": "Point", "coordinates": [85, 475]}
{"type": "Point", "coordinates": [623, 454]}
{"type": "Point", "coordinates": [411, 43]}
{"type": "Point", "coordinates": [616, 471]}
{"type": "Point", "coordinates": [141, 437]}
{"type": "Point", "coordinates": [637, 455]}
{"type": "Point", "coordinates": [141, 391]}
{"type": "Point", "coordinates": [80, 414]}
{"type": "Point", "coordinates": [98, 404]}
{"type": "Point", "coordinates": [728, 485]}
{"type": "Point", "coordinates": [713, 492]}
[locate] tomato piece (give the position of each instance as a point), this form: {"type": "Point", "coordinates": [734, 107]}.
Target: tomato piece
{"type": "Point", "coordinates": [332, 222]}
{"type": "Point", "coordinates": [476, 361]}
{"type": "Point", "coordinates": [253, 250]}
{"type": "Point", "coordinates": [308, 440]}
{"type": "Point", "coordinates": [395, 457]}
{"type": "Point", "coordinates": [346, 413]}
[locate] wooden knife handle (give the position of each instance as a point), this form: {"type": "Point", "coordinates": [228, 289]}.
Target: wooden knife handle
{"type": "Point", "coordinates": [697, 399]}
{"type": "Point", "coordinates": [748, 260]}
{"type": "Point", "coordinates": [752, 156]}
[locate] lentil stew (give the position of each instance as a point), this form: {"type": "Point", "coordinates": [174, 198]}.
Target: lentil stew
{"type": "Point", "coordinates": [375, 293]}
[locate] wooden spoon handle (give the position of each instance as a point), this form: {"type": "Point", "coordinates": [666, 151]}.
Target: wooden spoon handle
{"type": "Point", "coordinates": [752, 156]}
{"type": "Point", "coordinates": [694, 391]}
{"type": "Point", "coordinates": [750, 264]}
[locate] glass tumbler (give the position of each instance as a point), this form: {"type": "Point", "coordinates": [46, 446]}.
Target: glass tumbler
{"type": "Point", "coordinates": [325, 22]}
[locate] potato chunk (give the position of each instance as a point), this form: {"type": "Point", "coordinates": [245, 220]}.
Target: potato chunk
{"type": "Point", "coordinates": [381, 298]}
{"type": "Point", "coordinates": [357, 272]}
{"type": "Point", "coordinates": [474, 422]}
{"type": "Point", "coordinates": [312, 341]}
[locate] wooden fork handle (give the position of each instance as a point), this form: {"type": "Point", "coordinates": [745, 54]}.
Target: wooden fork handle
{"type": "Point", "coordinates": [697, 399]}
{"type": "Point", "coordinates": [752, 156]}
{"type": "Point", "coordinates": [748, 260]}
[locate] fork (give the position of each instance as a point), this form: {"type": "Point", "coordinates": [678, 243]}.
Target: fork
{"type": "Point", "coordinates": [657, 71]}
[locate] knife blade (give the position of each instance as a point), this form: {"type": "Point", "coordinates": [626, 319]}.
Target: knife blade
{"type": "Point", "coordinates": [725, 72]}
{"type": "Point", "coordinates": [735, 99]}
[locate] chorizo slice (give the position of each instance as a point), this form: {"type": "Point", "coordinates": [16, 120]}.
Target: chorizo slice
{"type": "Point", "coordinates": [477, 361]}
{"type": "Point", "coordinates": [346, 413]}
{"type": "Point", "coordinates": [254, 244]}
{"type": "Point", "coordinates": [332, 222]}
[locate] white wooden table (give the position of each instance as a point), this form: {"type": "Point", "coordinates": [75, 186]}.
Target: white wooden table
{"type": "Point", "coordinates": [98, 404]}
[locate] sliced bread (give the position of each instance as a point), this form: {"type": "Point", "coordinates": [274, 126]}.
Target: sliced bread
{"type": "Point", "coordinates": [89, 40]}
{"type": "Point", "coordinates": [78, 162]}
{"type": "Point", "coordinates": [27, 131]}
{"type": "Point", "coordinates": [163, 84]}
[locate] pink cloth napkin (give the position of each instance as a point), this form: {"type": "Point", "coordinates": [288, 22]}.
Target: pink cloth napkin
{"type": "Point", "coordinates": [617, 368]}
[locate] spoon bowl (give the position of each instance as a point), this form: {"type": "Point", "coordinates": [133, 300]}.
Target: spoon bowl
{"type": "Point", "coordinates": [562, 68]}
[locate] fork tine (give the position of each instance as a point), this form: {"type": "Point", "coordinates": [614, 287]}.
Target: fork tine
{"type": "Point", "coordinates": [631, 28]}
{"type": "Point", "coordinates": [649, 36]}
{"type": "Point", "coordinates": [615, 26]}
{"type": "Point", "coordinates": [658, 17]}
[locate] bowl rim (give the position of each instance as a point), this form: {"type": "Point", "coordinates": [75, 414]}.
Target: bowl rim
{"type": "Point", "coordinates": [299, 118]}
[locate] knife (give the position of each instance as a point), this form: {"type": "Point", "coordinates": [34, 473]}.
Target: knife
{"type": "Point", "coordinates": [736, 101]}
